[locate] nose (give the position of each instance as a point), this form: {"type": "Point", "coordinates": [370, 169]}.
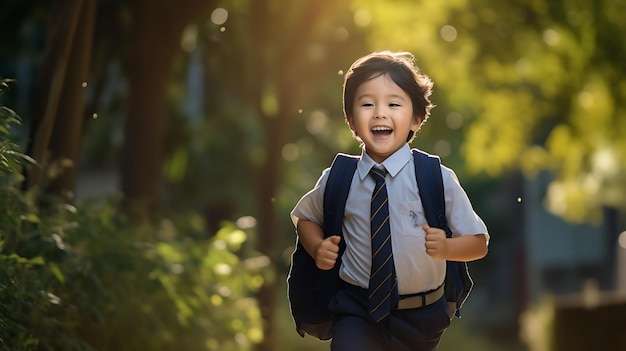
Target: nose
{"type": "Point", "coordinates": [380, 113]}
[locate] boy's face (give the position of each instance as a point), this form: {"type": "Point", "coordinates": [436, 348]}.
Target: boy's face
{"type": "Point", "coordinates": [382, 117]}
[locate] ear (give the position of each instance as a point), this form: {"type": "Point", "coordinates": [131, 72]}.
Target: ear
{"type": "Point", "coordinates": [417, 122]}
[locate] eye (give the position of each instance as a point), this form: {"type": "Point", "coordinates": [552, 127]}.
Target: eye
{"type": "Point", "coordinates": [367, 104]}
{"type": "Point", "coordinates": [393, 104]}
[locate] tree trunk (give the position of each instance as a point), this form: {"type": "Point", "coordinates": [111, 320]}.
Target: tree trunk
{"type": "Point", "coordinates": [67, 131]}
{"type": "Point", "coordinates": [65, 19]}
{"type": "Point", "coordinates": [154, 43]}
{"type": "Point", "coordinates": [270, 176]}
{"type": "Point", "coordinates": [149, 65]}
{"type": "Point", "coordinates": [285, 70]}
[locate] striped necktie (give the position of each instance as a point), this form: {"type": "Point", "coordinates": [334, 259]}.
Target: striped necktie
{"type": "Point", "coordinates": [383, 289]}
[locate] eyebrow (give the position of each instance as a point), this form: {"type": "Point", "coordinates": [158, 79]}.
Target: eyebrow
{"type": "Point", "coordinates": [395, 96]}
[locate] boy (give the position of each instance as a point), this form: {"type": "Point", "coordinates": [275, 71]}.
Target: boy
{"type": "Point", "coordinates": [386, 100]}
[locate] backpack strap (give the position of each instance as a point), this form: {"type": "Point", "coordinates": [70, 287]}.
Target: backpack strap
{"type": "Point", "coordinates": [430, 185]}
{"type": "Point", "coordinates": [458, 282]}
{"type": "Point", "coordinates": [309, 288]}
{"type": "Point", "coordinates": [336, 194]}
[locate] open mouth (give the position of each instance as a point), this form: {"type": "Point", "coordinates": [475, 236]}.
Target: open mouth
{"type": "Point", "coordinates": [381, 131]}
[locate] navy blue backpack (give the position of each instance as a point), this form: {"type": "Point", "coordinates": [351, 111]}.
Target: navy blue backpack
{"type": "Point", "coordinates": [310, 289]}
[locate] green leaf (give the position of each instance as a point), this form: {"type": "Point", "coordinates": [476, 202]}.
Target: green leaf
{"type": "Point", "coordinates": [54, 269]}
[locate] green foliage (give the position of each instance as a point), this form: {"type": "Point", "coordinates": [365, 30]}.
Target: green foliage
{"type": "Point", "coordinates": [84, 278]}
{"type": "Point", "coordinates": [83, 281]}
{"type": "Point", "coordinates": [557, 84]}
{"type": "Point", "coordinates": [10, 158]}
{"type": "Point", "coordinates": [539, 84]}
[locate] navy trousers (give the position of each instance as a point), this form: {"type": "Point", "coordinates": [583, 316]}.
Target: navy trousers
{"type": "Point", "coordinates": [418, 329]}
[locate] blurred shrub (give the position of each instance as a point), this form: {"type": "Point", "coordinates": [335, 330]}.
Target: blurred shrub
{"type": "Point", "coordinates": [537, 324]}
{"type": "Point", "coordinates": [84, 278]}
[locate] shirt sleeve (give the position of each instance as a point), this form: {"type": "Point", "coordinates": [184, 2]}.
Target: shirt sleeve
{"type": "Point", "coordinates": [311, 205]}
{"type": "Point", "coordinates": [462, 219]}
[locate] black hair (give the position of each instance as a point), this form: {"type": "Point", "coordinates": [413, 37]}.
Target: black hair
{"type": "Point", "coordinates": [400, 67]}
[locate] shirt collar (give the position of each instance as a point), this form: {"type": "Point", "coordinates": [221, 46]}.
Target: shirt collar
{"type": "Point", "coordinates": [393, 164]}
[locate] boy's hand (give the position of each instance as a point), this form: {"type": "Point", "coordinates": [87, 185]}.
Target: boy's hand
{"type": "Point", "coordinates": [436, 243]}
{"type": "Point", "coordinates": [327, 252]}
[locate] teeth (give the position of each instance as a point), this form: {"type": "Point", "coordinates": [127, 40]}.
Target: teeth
{"type": "Point", "coordinates": [380, 129]}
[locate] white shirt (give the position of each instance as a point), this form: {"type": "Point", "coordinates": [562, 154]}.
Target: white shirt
{"type": "Point", "coordinates": [416, 270]}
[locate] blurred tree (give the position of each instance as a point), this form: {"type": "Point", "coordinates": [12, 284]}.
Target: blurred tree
{"type": "Point", "coordinates": [59, 109]}
{"type": "Point", "coordinates": [275, 56]}
{"type": "Point", "coordinates": [57, 114]}
{"type": "Point", "coordinates": [538, 85]}
{"type": "Point", "coordinates": [552, 98]}
{"type": "Point", "coordinates": [154, 42]}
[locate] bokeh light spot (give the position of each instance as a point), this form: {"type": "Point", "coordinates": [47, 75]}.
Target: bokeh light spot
{"type": "Point", "coordinates": [454, 120]}
{"type": "Point", "coordinates": [362, 18]}
{"type": "Point", "coordinates": [219, 16]}
{"type": "Point", "coordinates": [448, 33]}
{"type": "Point", "coordinates": [246, 222]}
{"type": "Point", "coordinates": [551, 37]}
{"type": "Point", "coordinates": [316, 122]}
{"type": "Point", "coordinates": [290, 152]}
